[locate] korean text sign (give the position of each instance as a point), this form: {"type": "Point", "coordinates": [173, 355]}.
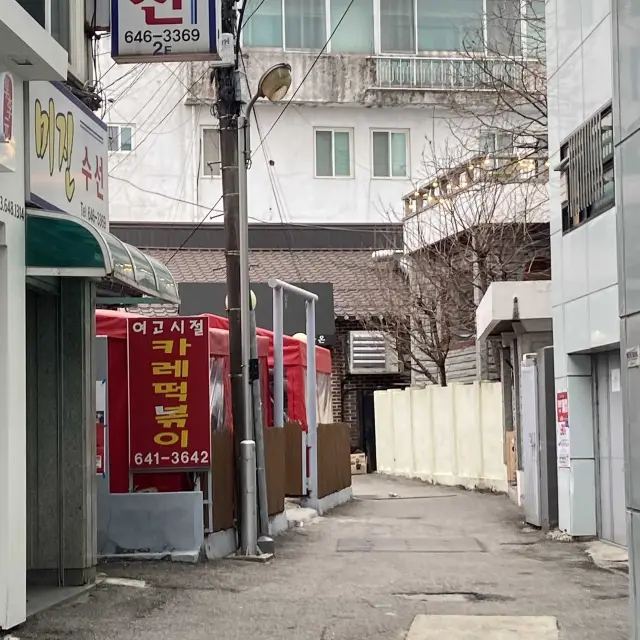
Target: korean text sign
{"type": "Point", "coordinates": [163, 30]}
{"type": "Point", "coordinates": [169, 418]}
{"type": "Point", "coordinates": [68, 158]}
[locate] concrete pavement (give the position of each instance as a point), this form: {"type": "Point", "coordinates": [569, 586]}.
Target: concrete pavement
{"type": "Point", "coordinates": [370, 569]}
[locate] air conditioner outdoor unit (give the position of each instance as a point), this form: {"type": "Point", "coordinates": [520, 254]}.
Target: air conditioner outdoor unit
{"type": "Point", "coordinates": [372, 352]}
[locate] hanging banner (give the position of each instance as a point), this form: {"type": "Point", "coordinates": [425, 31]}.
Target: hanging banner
{"type": "Point", "coordinates": [169, 416]}
{"type": "Point", "coordinates": [168, 30]}
{"type": "Point", "coordinates": [563, 442]}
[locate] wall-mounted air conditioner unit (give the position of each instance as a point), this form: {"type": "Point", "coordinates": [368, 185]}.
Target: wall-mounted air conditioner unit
{"type": "Point", "coordinates": [372, 352]}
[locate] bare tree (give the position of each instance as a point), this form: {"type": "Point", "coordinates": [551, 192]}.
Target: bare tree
{"type": "Point", "coordinates": [477, 220]}
{"type": "Point", "coordinates": [504, 62]}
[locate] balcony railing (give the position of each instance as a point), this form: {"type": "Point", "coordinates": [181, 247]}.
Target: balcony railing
{"type": "Point", "coordinates": [444, 73]}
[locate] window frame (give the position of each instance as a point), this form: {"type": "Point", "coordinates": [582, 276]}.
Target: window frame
{"type": "Point", "coordinates": [333, 131]}
{"type": "Point", "coordinates": [201, 173]}
{"type": "Point", "coordinates": [407, 151]}
{"type": "Point", "coordinates": [120, 127]}
{"type": "Point", "coordinates": [377, 34]}
{"type": "Point", "coordinates": [571, 221]}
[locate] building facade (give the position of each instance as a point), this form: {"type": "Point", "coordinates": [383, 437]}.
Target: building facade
{"type": "Point", "coordinates": [57, 259]}
{"type": "Point", "coordinates": [584, 253]}
{"type": "Point", "coordinates": [363, 115]}
{"type": "Point", "coordinates": [626, 113]}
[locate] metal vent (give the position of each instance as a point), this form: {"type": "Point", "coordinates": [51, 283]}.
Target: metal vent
{"type": "Point", "coordinates": [371, 352]}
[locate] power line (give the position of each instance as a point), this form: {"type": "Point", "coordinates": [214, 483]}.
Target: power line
{"type": "Point", "coordinates": [158, 193]}
{"type": "Point", "coordinates": [326, 44]}
{"type": "Point", "coordinates": [182, 246]}
{"type": "Point", "coordinates": [175, 106]}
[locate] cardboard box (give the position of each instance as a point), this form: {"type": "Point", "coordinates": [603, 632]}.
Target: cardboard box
{"type": "Point", "coordinates": [358, 464]}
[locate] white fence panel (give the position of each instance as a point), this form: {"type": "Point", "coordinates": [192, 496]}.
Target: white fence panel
{"type": "Point", "coordinates": [448, 435]}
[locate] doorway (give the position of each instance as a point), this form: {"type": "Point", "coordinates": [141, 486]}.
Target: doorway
{"type": "Point", "coordinates": [609, 441]}
{"type": "Point", "coordinates": [368, 426]}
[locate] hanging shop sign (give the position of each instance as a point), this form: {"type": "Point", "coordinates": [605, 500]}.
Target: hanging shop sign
{"type": "Point", "coordinates": [68, 155]}
{"type": "Point", "coordinates": [165, 30]}
{"type": "Point", "coordinates": [563, 442]}
{"type": "Point", "coordinates": [169, 415]}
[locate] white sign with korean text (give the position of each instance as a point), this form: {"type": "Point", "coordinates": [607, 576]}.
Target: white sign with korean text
{"type": "Point", "coordinates": [68, 155]}
{"type": "Point", "coordinates": [163, 30]}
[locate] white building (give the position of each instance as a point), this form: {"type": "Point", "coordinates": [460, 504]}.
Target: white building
{"type": "Point", "coordinates": [348, 147]}
{"type": "Point", "coordinates": [586, 326]}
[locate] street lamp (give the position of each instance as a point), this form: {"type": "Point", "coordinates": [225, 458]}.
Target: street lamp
{"type": "Point", "coordinates": [274, 85]}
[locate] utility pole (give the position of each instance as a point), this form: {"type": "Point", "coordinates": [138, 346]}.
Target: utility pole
{"type": "Point", "coordinates": [228, 110]}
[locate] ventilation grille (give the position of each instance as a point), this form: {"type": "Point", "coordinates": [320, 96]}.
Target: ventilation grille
{"type": "Point", "coordinates": [371, 352]}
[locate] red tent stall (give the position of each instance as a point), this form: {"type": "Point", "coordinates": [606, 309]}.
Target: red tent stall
{"type": "Point", "coordinates": [113, 326]}
{"type": "Point", "coordinates": [295, 374]}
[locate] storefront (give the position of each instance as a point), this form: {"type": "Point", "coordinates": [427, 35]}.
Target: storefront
{"type": "Point", "coordinates": [27, 53]}
{"type": "Point", "coordinates": [56, 258]}
{"type": "Point", "coordinates": [71, 259]}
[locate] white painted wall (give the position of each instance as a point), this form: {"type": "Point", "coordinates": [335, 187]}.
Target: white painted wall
{"type": "Point", "coordinates": [448, 435]}
{"type": "Point", "coordinates": [584, 261]}
{"type": "Point", "coordinates": [13, 558]}
{"type": "Point", "coordinates": [167, 155]}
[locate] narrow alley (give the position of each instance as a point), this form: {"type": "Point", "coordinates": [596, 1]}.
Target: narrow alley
{"type": "Point", "coordinates": [401, 549]}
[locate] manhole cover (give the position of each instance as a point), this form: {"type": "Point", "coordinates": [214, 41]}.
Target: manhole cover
{"type": "Point", "coordinates": [409, 545]}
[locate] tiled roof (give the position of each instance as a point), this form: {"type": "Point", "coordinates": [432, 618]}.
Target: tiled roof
{"type": "Point", "coordinates": [355, 276]}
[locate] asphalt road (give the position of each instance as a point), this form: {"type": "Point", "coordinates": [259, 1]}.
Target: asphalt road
{"type": "Point", "coordinates": [401, 549]}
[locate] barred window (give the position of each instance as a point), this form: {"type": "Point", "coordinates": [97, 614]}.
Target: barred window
{"type": "Point", "coordinates": [587, 186]}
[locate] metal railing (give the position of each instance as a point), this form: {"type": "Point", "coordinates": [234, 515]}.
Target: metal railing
{"type": "Point", "coordinates": [444, 73]}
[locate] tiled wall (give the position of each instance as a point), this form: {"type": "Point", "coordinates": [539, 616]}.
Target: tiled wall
{"type": "Point", "coordinates": [583, 261]}
{"type": "Point", "coordinates": [626, 112]}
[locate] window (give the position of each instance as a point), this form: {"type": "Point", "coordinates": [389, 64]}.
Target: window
{"type": "Point", "coordinates": [120, 137]}
{"type": "Point", "coordinates": [504, 27]}
{"type": "Point", "coordinates": [455, 25]}
{"type": "Point", "coordinates": [333, 153]}
{"type": "Point", "coordinates": [397, 30]}
{"type": "Point", "coordinates": [60, 20]}
{"type": "Point", "coordinates": [211, 166]}
{"type": "Point", "coordinates": [305, 24]}
{"type": "Point", "coordinates": [390, 154]}
{"type": "Point", "coordinates": [586, 166]}
{"type": "Point", "coordinates": [355, 33]}
{"type": "Point", "coordinates": [535, 33]}
{"type": "Point", "coordinates": [262, 25]}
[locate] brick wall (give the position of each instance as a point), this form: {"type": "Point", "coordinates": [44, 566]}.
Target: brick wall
{"type": "Point", "coordinates": [346, 387]}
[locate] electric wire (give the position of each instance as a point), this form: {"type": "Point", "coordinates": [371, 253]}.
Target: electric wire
{"type": "Point", "coordinates": [324, 48]}
{"type": "Point", "coordinates": [175, 106]}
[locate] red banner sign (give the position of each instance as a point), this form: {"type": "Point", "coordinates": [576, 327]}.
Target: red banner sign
{"type": "Point", "coordinates": [169, 418]}
{"type": "Point", "coordinates": [562, 406]}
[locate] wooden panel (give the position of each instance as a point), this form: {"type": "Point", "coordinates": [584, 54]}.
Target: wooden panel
{"type": "Point", "coordinates": [222, 466]}
{"type": "Point", "coordinates": [334, 458]}
{"type": "Point", "coordinates": [293, 459]}
{"type": "Point", "coordinates": [275, 463]}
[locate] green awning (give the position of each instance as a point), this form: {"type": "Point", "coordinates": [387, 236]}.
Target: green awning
{"type": "Point", "coordinates": [62, 245]}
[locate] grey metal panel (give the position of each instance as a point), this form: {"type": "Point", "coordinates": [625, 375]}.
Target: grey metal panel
{"type": "Point", "coordinates": [209, 297]}
{"type": "Point", "coordinates": [610, 449]}
{"type": "Point", "coordinates": [547, 430]}
{"type": "Point", "coordinates": [530, 439]}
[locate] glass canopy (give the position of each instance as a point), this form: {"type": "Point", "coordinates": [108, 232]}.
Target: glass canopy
{"type": "Point", "coordinates": [64, 245]}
